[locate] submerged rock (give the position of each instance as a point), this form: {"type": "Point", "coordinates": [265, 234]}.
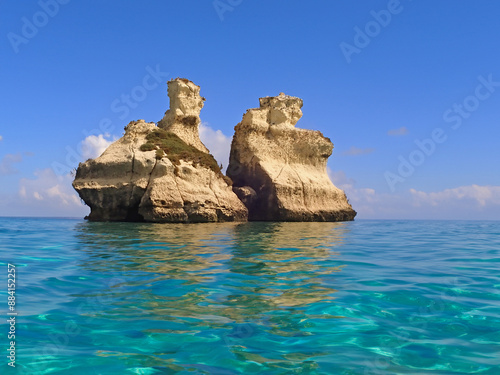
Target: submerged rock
{"type": "Point", "coordinates": [279, 171]}
{"type": "Point", "coordinates": [160, 174]}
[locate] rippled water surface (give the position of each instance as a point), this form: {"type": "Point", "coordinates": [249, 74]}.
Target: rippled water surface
{"type": "Point", "coordinates": [365, 297]}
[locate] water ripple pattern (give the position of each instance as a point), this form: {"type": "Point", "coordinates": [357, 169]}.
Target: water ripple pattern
{"type": "Point", "coordinates": [364, 297]}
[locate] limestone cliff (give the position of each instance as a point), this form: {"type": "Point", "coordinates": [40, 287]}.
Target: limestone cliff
{"type": "Point", "coordinates": [279, 171]}
{"type": "Point", "coordinates": [160, 174]}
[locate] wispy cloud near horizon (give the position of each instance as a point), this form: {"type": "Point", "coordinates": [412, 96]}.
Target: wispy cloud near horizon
{"type": "Point", "coordinates": [354, 151]}
{"type": "Point", "coordinates": [7, 163]}
{"type": "Point", "coordinates": [475, 195]}
{"type": "Point", "coordinates": [459, 203]}
{"type": "Point", "coordinates": [50, 194]}
{"type": "Point", "coordinates": [398, 132]}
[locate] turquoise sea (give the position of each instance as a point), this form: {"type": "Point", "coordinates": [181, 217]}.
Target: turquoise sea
{"type": "Point", "coordinates": [363, 297]}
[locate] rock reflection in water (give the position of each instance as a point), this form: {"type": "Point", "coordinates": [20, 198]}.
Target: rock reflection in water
{"type": "Point", "coordinates": [225, 285]}
{"type": "Point", "coordinates": [286, 260]}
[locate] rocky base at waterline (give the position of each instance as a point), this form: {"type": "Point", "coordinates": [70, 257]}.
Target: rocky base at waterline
{"type": "Point", "coordinates": [279, 171]}
{"type": "Point", "coordinates": [165, 173]}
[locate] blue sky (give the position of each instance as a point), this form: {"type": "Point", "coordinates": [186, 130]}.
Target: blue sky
{"type": "Point", "coordinates": [377, 77]}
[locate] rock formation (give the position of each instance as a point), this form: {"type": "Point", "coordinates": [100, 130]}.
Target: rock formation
{"type": "Point", "coordinates": [183, 117]}
{"type": "Point", "coordinates": [279, 171]}
{"type": "Point", "coordinates": [165, 173]}
{"type": "Point", "coordinates": [160, 174]}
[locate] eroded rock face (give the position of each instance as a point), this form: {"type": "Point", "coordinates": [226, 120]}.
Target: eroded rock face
{"type": "Point", "coordinates": [113, 184]}
{"type": "Point", "coordinates": [279, 171]}
{"type": "Point", "coordinates": [153, 175]}
{"type": "Point", "coordinates": [188, 193]}
{"type": "Point", "coordinates": [183, 117]}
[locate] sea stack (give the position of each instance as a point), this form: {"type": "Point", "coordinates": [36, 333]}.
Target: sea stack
{"type": "Point", "coordinates": [160, 173]}
{"type": "Point", "coordinates": [279, 171]}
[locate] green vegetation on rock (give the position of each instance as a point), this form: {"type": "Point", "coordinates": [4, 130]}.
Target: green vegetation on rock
{"type": "Point", "coordinates": [147, 147]}
{"type": "Point", "coordinates": [165, 142]}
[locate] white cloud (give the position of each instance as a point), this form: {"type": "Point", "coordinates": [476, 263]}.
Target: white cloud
{"type": "Point", "coordinates": [7, 163]}
{"type": "Point", "coordinates": [363, 200]}
{"type": "Point", "coordinates": [340, 179]}
{"type": "Point", "coordinates": [464, 202]}
{"type": "Point", "coordinates": [1, 138]}
{"type": "Point", "coordinates": [396, 132]}
{"type": "Point", "coordinates": [94, 145]}
{"type": "Point", "coordinates": [217, 142]}
{"type": "Point", "coordinates": [358, 151]}
{"type": "Point", "coordinates": [474, 196]}
{"type": "Point", "coordinates": [48, 195]}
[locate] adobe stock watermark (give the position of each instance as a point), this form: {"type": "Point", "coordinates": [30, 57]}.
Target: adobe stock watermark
{"type": "Point", "coordinates": [363, 36]}
{"type": "Point", "coordinates": [30, 26]}
{"type": "Point", "coordinates": [455, 116]}
{"type": "Point", "coordinates": [223, 6]}
{"type": "Point", "coordinates": [122, 107]}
